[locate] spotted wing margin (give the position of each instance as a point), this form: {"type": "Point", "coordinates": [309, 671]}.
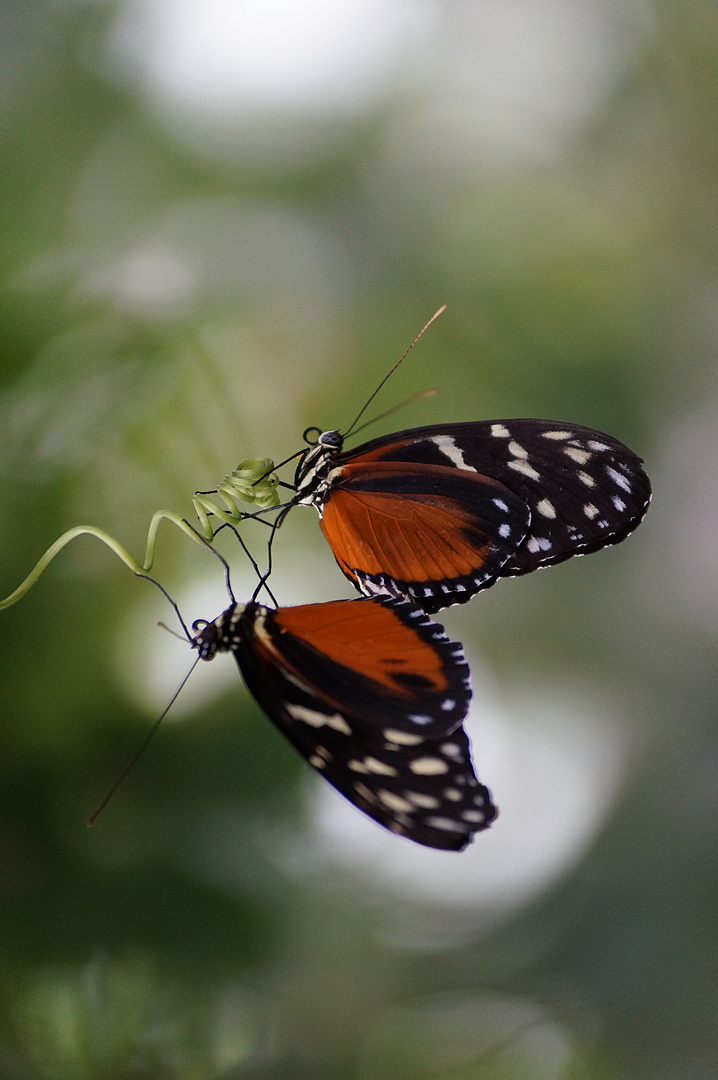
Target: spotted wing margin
{"type": "Point", "coordinates": [585, 490]}
{"type": "Point", "coordinates": [432, 532]}
{"type": "Point", "coordinates": [409, 771]}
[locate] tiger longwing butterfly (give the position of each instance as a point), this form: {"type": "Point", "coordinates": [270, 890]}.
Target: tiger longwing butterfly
{"type": "Point", "coordinates": [373, 694]}
{"type": "Point", "coordinates": [439, 513]}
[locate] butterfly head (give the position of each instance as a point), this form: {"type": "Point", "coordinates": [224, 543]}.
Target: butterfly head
{"type": "Point", "coordinates": [206, 639]}
{"type": "Point", "coordinates": [221, 635]}
{"type": "Point", "coordinates": [334, 440]}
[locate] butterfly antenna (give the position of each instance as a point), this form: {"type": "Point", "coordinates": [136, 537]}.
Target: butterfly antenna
{"type": "Point", "coordinates": [396, 365]}
{"type": "Point", "coordinates": [168, 598]}
{"type": "Point", "coordinates": [395, 408]}
{"type": "Point", "coordinates": [169, 630]}
{"type": "Point", "coordinates": [138, 752]}
{"type": "Point", "coordinates": [279, 465]}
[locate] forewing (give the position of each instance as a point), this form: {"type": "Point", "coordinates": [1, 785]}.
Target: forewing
{"type": "Point", "coordinates": [372, 694]}
{"type": "Point", "coordinates": [433, 532]}
{"type": "Point", "coordinates": [584, 490]}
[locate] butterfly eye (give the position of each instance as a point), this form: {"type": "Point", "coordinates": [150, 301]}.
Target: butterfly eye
{"type": "Point", "coordinates": [333, 439]}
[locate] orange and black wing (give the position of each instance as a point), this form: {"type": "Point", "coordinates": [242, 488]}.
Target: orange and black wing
{"type": "Point", "coordinates": [372, 694]}
{"type": "Point", "coordinates": [439, 513]}
{"type": "Point", "coordinates": [426, 531]}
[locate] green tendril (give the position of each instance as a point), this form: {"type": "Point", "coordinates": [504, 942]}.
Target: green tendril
{"type": "Point", "coordinates": [252, 481]}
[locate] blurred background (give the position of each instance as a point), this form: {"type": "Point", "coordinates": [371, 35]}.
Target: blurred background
{"type": "Point", "coordinates": [221, 222]}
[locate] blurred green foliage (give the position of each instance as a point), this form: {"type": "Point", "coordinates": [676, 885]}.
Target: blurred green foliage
{"type": "Point", "coordinates": [169, 307]}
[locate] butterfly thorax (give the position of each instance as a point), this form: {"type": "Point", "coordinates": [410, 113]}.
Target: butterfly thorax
{"type": "Point", "coordinates": [313, 472]}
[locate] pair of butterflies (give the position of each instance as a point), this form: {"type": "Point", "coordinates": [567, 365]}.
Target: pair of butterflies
{"type": "Point", "coordinates": [370, 691]}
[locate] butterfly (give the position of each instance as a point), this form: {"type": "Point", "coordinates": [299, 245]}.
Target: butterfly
{"type": "Point", "coordinates": [438, 513]}
{"type": "Point", "coordinates": [372, 694]}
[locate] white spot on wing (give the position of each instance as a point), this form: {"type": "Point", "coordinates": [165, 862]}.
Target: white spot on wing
{"type": "Point", "coordinates": [577, 455]}
{"type": "Point", "coordinates": [395, 802]}
{"type": "Point", "coordinates": [363, 790]}
{"type": "Point", "coordinates": [500, 432]}
{"type": "Point", "coordinates": [428, 766]}
{"type": "Point", "coordinates": [538, 543]}
{"type": "Point", "coordinates": [379, 767]}
{"type": "Point", "coordinates": [558, 435]}
{"type": "Point", "coordinates": [546, 508]}
{"type": "Point", "coordinates": [517, 450]}
{"type": "Point", "coordinates": [319, 719]}
{"type": "Point", "coordinates": [618, 479]}
{"type": "Point", "coordinates": [448, 446]}
{"type": "Point", "coordinates": [590, 511]}
{"type": "Point", "coordinates": [445, 824]}
{"type": "Point", "coordinates": [424, 802]}
{"type": "Point", "coordinates": [402, 738]}
{"type": "Point", "coordinates": [521, 466]}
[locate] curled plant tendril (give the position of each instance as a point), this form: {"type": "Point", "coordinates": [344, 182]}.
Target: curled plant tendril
{"type": "Point", "coordinates": [253, 481]}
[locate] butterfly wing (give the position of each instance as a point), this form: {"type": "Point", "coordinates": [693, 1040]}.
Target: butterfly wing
{"type": "Point", "coordinates": [372, 694]}
{"type": "Point", "coordinates": [585, 490]}
{"type": "Point", "coordinates": [439, 513]}
{"type": "Point", "coordinates": [425, 531]}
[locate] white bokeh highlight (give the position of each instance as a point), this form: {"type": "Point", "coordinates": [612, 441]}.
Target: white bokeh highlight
{"type": "Point", "coordinates": [276, 55]}
{"type": "Point", "coordinates": [554, 762]}
{"type": "Point", "coordinates": [510, 79]}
